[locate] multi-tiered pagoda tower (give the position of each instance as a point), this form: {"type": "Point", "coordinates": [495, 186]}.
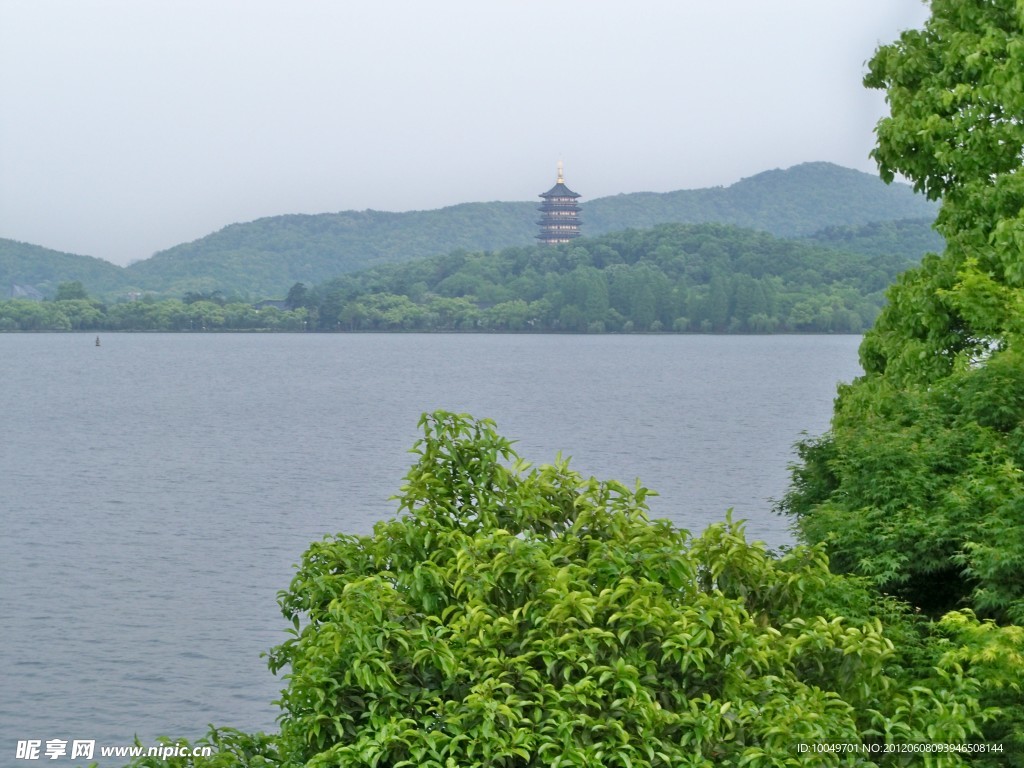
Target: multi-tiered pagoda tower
{"type": "Point", "coordinates": [560, 216]}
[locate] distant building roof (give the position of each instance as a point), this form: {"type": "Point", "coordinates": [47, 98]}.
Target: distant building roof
{"type": "Point", "coordinates": [559, 190]}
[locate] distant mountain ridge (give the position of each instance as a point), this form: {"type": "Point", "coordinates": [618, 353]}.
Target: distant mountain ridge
{"type": "Point", "coordinates": [795, 202]}
{"type": "Point", "coordinates": [41, 269]}
{"type": "Point", "coordinates": [265, 257]}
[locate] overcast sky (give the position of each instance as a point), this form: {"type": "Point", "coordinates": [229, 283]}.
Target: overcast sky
{"type": "Point", "coordinates": [128, 126]}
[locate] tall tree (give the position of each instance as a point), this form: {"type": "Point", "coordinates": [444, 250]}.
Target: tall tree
{"type": "Point", "coordinates": [71, 291]}
{"type": "Point", "coordinates": [956, 130]}
{"type": "Point", "coordinates": [920, 483]}
{"type": "Point", "coordinates": [941, 519]}
{"type": "Point", "coordinates": [297, 297]}
{"type": "Point", "coordinates": [518, 617]}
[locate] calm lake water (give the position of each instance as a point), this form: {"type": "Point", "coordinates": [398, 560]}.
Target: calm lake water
{"type": "Point", "coordinates": [156, 491]}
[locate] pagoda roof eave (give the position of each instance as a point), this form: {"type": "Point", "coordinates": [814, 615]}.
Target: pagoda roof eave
{"type": "Point", "coordinates": [559, 190]}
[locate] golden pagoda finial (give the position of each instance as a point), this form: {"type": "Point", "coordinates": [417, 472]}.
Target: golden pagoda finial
{"type": "Point", "coordinates": [560, 179]}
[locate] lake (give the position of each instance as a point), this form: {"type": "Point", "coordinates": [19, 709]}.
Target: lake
{"type": "Point", "coordinates": [156, 491]}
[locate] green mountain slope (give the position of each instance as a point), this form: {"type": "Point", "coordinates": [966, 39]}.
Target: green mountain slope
{"type": "Point", "coordinates": [673, 277]}
{"type": "Point", "coordinates": [264, 258]}
{"type": "Point", "coordinates": [798, 201]}
{"type": "Point", "coordinates": [24, 266]}
{"type": "Point", "coordinates": [907, 237]}
{"type": "Point", "coordinates": [267, 256]}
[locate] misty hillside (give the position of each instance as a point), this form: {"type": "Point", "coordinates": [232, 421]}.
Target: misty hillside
{"type": "Point", "coordinates": [26, 267]}
{"type": "Point", "coordinates": [264, 258]}
{"type": "Point", "coordinates": [904, 237]}
{"type": "Point", "coordinates": [795, 202]}
{"type": "Point", "coordinates": [267, 256]}
{"type": "Point", "coordinates": [672, 277]}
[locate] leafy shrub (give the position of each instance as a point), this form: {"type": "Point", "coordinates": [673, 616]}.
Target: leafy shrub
{"type": "Point", "coordinates": [518, 616]}
{"type": "Point", "coordinates": [515, 616]}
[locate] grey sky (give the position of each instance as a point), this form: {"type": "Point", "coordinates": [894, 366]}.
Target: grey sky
{"type": "Point", "coordinates": [128, 126]}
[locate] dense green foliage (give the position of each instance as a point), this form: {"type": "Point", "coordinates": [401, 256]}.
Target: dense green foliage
{"type": "Point", "coordinates": [675, 278]}
{"type": "Point", "coordinates": [919, 485]}
{"type": "Point", "coordinates": [264, 258]}
{"type": "Point", "coordinates": [907, 238]}
{"type": "Point", "coordinates": [709, 278]}
{"type": "Point", "coordinates": [24, 266]}
{"type": "Point", "coordinates": [921, 489]}
{"type": "Point", "coordinates": [147, 315]}
{"type": "Point", "coordinates": [515, 616]}
{"type": "Point", "coordinates": [923, 466]}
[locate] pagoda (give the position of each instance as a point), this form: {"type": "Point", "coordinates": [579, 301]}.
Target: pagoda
{"type": "Point", "coordinates": [560, 216]}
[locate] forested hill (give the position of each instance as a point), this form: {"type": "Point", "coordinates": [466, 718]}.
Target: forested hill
{"type": "Point", "coordinates": [31, 270]}
{"type": "Point", "coordinates": [796, 202]}
{"type": "Point", "coordinates": [704, 278]}
{"type": "Point", "coordinates": [264, 258]}
{"type": "Point", "coordinates": [673, 277]}
{"type": "Point", "coordinates": [910, 238]}
{"type": "Point", "coordinates": [267, 256]}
